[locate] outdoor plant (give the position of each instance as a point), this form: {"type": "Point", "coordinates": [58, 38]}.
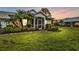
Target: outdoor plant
{"type": "Point", "coordinates": [61, 23]}
{"type": "Point", "coordinates": [11, 28]}
{"type": "Point", "coordinates": [16, 29]}
{"type": "Point", "coordinates": [56, 26]}
{"type": "Point", "coordinates": [18, 17]}
{"type": "Point", "coordinates": [53, 27]}
{"type": "Point", "coordinates": [48, 26]}
{"type": "Point", "coordinates": [29, 26]}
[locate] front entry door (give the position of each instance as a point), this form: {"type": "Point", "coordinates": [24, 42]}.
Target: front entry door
{"type": "Point", "coordinates": [39, 23]}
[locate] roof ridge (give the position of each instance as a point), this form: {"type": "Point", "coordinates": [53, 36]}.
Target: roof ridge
{"type": "Point", "coordinates": [7, 11]}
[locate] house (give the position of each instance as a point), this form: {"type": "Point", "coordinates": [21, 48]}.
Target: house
{"type": "Point", "coordinates": [4, 17]}
{"type": "Point", "coordinates": [39, 21]}
{"type": "Point", "coordinates": [74, 21]}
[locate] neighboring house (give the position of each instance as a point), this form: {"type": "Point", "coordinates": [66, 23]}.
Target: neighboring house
{"type": "Point", "coordinates": [38, 22]}
{"type": "Point", "coordinates": [4, 17]}
{"type": "Point", "coordinates": [74, 21]}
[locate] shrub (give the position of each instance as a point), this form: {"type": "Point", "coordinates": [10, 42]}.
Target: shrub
{"type": "Point", "coordinates": [29, 25]}
{"type": "Point", "coordinates": [16, 29]}
{"type": "Point", "coordinates": [56, 24]}
{"type": "Point", "coordinates": [24, 28]}
{"type": "Point", "coordinates": [33, 29]}
{"type": "Point", "coordinates": [55, 29]}
{"type": "Point", "coordinates": [2, 31]}
{"type": "Point", "coordinates": [10, 28]}
{"type": "Point", "coordinates": [48, 26]}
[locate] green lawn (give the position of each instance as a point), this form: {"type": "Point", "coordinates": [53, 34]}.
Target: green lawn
{"type": "Point", "coordinates": [67, 40]}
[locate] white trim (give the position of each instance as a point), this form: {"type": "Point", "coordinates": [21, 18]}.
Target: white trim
{"type": "Point", "coordinates": [37, 23]}
{"type": "Point", "coordinates": [44, 22]}
{"type": "Point", "coordinates": [41, 23]}
{"type": "Point", "coordinates": [34, 23]}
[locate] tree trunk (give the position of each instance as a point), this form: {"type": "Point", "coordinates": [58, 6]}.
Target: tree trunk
{"type": "Point", "coordinates": [14, 24]}
{"type": "Point", "coordinates": [21, 24]}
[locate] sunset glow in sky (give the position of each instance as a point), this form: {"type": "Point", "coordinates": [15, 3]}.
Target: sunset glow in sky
{"type": "Point", "coordinates": [57, 12]}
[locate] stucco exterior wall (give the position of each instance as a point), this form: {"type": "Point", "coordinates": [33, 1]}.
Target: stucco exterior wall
{"type": "Point", "coordinates": [45, 22]}
{"type": "Point", "coordinates": [3, 24]}
{"type": "Point", "coordinates": [48, 21]}
{"type": "Point", "coordinates": [24, 22]}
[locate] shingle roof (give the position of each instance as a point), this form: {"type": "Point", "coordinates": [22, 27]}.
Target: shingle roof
{"type": "Point", "coordinates": [71, 18]}
{"type": "Point", "coordinates": [4, 14]}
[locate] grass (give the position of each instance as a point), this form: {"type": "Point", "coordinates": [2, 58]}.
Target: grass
{"type": "Point", "coordinates": [67, 40]}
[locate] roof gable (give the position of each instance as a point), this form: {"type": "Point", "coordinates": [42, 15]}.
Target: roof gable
{"type": "Point", "coordinates": [41, 14]}
{"type": "Point", "coordinates": [32, 11]}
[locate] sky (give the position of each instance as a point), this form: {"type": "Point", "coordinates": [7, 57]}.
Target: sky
{"type": "Point", "coordinates": [56, 12]}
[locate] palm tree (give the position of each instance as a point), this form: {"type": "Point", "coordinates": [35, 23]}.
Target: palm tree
{"type": "Point", "coordinates": [19, 16]}
{"type": "Point", "coordinates": [29, 17]}
{"type": "Point", "coordinates": [13, 20]}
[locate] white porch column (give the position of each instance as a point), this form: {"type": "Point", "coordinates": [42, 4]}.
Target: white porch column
{"type": "Point", "coordinates": [44, 23]}
{"type": "Point", "coordinates": [71, 24]}
{"type": "Point", "coordinates": [34, 23]}
{"type": "Point", "coordinates": [37, 23]}
{"type": "Point", "coordinates": [41, 23]}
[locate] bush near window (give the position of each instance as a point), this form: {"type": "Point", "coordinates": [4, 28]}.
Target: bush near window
{"type": "Point", "coordinates": [11, 28]}
{"type": "Point", "coordinates": [16, 29]}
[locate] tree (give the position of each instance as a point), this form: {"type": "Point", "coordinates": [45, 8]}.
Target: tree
{"type": "Point", "coordinates": [61, 23]}
{"type": "Point", "coordinates": [19, 16]}
{"type": "Point", "coordinates": [56, 24]}
{"type": "Point", "coordinates": [13, 20]}
{"type": "Point", "coordinates": [30, 17]}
